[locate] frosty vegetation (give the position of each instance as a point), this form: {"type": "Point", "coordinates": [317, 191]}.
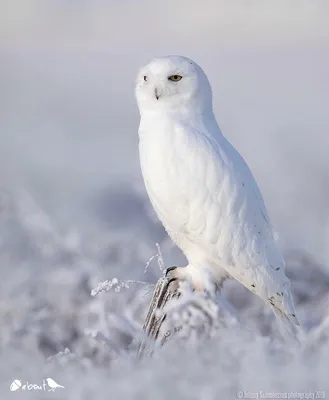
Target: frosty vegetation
{"type": "Point", "coordinates": [63, 316]}
{"type": "Point", "coordinates": [68, 127]}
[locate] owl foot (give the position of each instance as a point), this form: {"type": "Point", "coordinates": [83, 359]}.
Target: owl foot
{"type": "Point", "coordinates": [171, 273]}
{"type": "Point", "coordinates": [199, 279]}
{"type": "Point", "coordinates": [172, 277]}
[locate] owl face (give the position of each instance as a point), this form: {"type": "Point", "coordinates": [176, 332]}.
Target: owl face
{"type": "Point", "coordinates": [171, 83]}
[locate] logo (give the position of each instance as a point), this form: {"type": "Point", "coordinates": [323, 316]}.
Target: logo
{"type": "Point", "coordinates": [47, 385]}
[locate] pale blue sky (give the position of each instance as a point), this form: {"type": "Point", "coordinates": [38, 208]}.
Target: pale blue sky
{"type": "Point", "coordinates": [69, 119]}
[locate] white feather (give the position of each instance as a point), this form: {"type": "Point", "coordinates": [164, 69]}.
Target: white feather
{"type": "Point", "coordinates": [201, 188]}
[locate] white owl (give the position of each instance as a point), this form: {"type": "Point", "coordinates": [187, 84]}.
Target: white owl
{"type": "Point", "coordinates": [201, 188]}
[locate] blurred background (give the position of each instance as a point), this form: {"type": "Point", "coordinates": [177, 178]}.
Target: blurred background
{"type": "Point", "coordinates": [69, 120]}
{"type": "Point", "coordinates": [72, 192]}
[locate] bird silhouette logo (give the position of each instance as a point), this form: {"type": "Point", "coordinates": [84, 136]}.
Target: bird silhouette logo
{"type": "Point", "coordinates": [53, 385]}
{"type": "Point", "coordinates": [16, 384]}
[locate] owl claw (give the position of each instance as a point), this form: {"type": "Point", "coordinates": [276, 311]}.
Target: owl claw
{"type": "Point", "coordinates": [169, 269]}
{"type": "Point", "coordinates": [172, 274]}
{"type": "Point", "coordinates": [171, 280]}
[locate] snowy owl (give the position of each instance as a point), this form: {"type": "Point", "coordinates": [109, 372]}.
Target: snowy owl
{"type": "Point", "coordinates": [202, 190]}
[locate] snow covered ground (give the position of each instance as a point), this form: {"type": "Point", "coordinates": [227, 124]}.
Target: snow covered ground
{"type": "Point", "coordinates": [73, 210]}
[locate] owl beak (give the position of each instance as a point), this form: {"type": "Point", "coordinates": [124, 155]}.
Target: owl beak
{"type": "Point", "coordinates": [156, 93]}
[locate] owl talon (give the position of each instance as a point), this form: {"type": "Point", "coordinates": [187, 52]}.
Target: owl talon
{"type": "Point", "coordinates": [169, 269]}
{"type": "Point", "coordinates": [171, 280]}
{"type": "Point", "coordinates": [172, 275]}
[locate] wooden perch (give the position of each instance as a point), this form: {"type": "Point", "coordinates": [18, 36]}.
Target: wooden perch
{"type": "Point", "coordinates": [165, 290]}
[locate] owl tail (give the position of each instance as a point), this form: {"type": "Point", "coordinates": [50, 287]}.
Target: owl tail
{"type": "Point", "coordinates": [288, 325]}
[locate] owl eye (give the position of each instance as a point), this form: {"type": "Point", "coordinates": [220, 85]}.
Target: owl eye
{"type": "Point", "coordinates": [175, 78]}
{"type": "Point", "coordinates": [145, 78]}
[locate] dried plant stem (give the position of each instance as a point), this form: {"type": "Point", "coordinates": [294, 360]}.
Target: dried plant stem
{"type": "Point", "coordinates": [165, 290]}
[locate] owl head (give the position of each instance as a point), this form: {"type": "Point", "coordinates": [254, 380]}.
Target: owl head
{"type": "Point", "coordinates": [173, 84]}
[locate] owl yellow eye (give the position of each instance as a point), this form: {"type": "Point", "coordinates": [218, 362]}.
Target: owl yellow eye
{"type": "Point", "coordinates": [175, 78]}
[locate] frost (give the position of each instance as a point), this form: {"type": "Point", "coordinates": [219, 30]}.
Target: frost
{"type": "Point", "coordinates": [56, 320]}
{"type": "Point", "coordinates": [116, 286]}
{"type": "Point", "coordinates": [158, 257]}
{"type": "Point", "coordinates": [74, 213]}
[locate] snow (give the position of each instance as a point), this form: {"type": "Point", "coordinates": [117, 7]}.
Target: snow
{"type": "Point", "coordinates": [74, 213]}
{"type": "Point", "coordinates": [85, 334]}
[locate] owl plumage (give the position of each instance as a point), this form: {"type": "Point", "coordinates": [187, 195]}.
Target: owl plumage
{"type": "Point", "coordinates": [202, 190]}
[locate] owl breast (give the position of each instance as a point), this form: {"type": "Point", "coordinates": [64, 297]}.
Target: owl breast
{"type": "Point", "coordinates": [164, 172]}
{"type": "Point", "coordinates": [161, 171]}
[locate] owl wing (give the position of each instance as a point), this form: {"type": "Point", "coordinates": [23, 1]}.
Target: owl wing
{"type": "Point", "coordinates": [228, 220]}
